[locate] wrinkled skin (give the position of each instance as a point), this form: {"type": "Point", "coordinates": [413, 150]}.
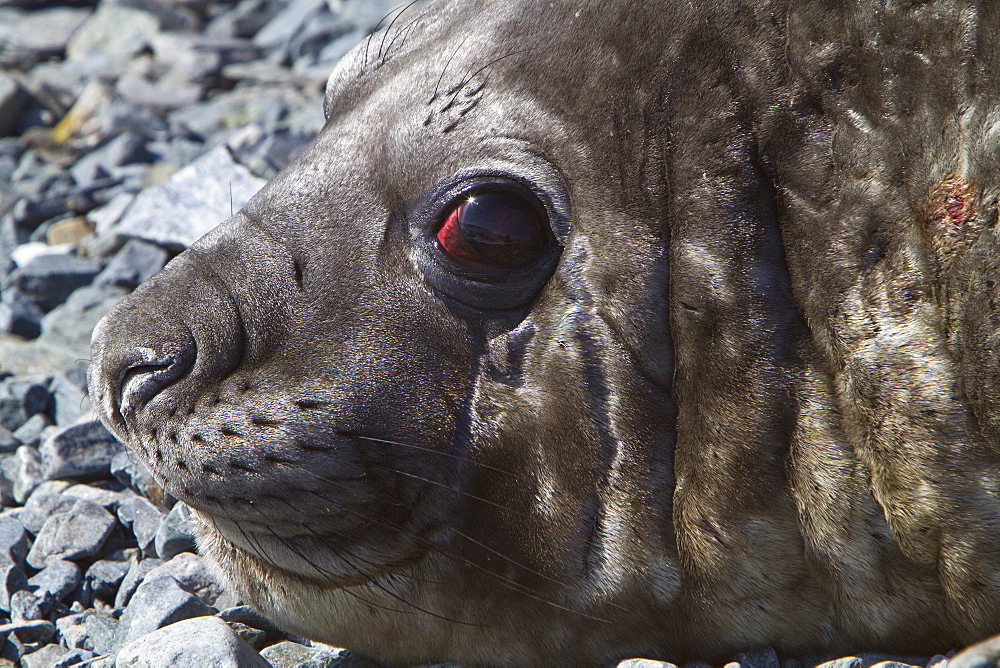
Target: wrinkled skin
{"type": "Point", "coordinates": [747, 396]}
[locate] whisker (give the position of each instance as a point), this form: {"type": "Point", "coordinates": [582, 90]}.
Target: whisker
{"type": "Point", "coordinates": [507, 582]}
{"type": "Point", "coordinates": [460, 458]}
{"type": "Point", "coordinates": [469, 78]}
{"type": "Point", "coordinates": [446, 66]}
{"type": "Point", "coordinates": [388, 28]}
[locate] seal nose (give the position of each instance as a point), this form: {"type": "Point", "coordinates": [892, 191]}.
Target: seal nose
{"type": "Point", "coordinates": [145, 372]}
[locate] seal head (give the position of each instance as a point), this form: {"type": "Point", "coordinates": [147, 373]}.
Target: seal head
{"type": "Point", "coordinates": [586, 332]}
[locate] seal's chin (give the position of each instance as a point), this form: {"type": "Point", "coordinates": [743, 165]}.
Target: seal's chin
{"type": "Point", "coordinates": [305, 557]}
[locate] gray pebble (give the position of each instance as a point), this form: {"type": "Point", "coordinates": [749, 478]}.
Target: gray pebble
{"type": "Point", "coordinates": [69, 402]}
{"type": "Point", "coordinates": [24, 607]}
{"type": "Point", "coordinates": [44, 500]}
{"type": "Point", "coordinates": [137, 571]}
{"type": "Point", "coordinates": [30, 472]}
{"type": "Point", "coordinates": [191, 643]}
{"type": "Point", "coordinates": [114, 30]}
{"type": "Point", "coordinates": [12, 99]}
{"type": "Point", "coordinates": [69, 325]}
{"type": "Point", "coordinates": [291, 655]}
{"type": "Point", "coordinates": [155, 604]}
{"type": "Point", "coordinates": [33, 36]}
{"type": "Point", "coordinates": [73, 657]}
{"type": "Point", "coordinates": [19, 315]}
{"type": "Point", "coordinates": [37, 630]}
{"type": "Point", "coordinates": [12, 580]}
{"type": "Point", "coordinates": [144, 519]}
{"type": "Point", "coordinates": [8, 443]}
{"type": "Point", "coordinates": [55, 582]}
{"type": "Point", "coordinates": [103, 578]}
{"type": "Point", "coordinates": [82, 450]}
{"type": "Point", "coordinates": [109, 499]}
{"type": "Point", "coordinates": [30, 433]}
{"type": "Point", "coordinates": [76, 532]}
{"type": "Point", "coordinates": [133, 264]}
{"type": "Point", "coordinates": [247, 616]}
{"type": "Point", "coordinates": [645, 663]}
{"type": "Point", "coordinates": [194, 575]}
{"type": "Point", "coordinates": [49, 279]}
{"type": "Point", "coordinates": [45, 656]}
{"type": "Point", "coordinates": [176, 532]}
{"type": "Point", "coordinates": [129, 471]}
{"type": "Point", "coordinates": [102, 631]}
{"type": "Point", "coordinates": [280, 30]}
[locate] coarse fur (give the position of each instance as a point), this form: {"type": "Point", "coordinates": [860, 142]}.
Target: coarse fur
{"type": "Point", "coordinates": [749, 396]}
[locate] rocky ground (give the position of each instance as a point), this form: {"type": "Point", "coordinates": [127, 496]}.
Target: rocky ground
{"type": "Point", "coordinates": [128, 128]}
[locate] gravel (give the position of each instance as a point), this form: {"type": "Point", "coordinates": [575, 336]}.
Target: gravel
{"type": "Point", "coordinates": [129, 128]}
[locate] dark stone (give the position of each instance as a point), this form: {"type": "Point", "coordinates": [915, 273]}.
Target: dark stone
{"type": "Point", "coordinates": [49, 279]}
{"type": "Point", "coordinates": [12, 580]}
{"type": "Point", "coordinates": [137, 261]}
{"type": "Point", "coordinates": [68, 392]}
{"type": "Point", "coordinates": [19, 315]}
{"type": "Point", "coordinates": [55, 582]}
{"type": "Point", "coordinates": [103, 578]}
{"type": "Point", "coordinates": [30, 433]}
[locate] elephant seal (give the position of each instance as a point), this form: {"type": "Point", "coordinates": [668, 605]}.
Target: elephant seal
{"type": "Point", "coordinates": [592, 330]}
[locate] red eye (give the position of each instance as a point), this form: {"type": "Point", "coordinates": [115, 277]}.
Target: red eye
{"type": "Point", "coordinates": [494, 228]}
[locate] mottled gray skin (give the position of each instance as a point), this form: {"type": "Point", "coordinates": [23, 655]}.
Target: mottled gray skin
{"type": "Point", "coordinates": [749, 398]}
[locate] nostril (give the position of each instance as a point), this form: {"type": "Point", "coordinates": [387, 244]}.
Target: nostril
{"type": "Point", "coordinates": [148, 372]}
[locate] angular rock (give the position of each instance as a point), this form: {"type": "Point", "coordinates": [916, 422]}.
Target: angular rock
{"type": "Point", "coordinates": [103, 578]}
{"type": "Point", "coordinates": [74, 657]}
{"type": "Point", "coordinates": [194, 575]}
{"type": "Point", "coordinates": [12, 580]}
{"type": "Point", "coordinates": [8, 443]}
{"type": "Point", "coordinates": [30, 433]}
{"type": "Point", "coordinates": [44, 500]}
{"type": "Point", "coordinates": [55, 582]}
{"type": "Point", "coordinates": [289, 654]}
{"type": "Point", "coordinates": [30, 37]}
{"type": "Point", "coordinates": [114, 30]}
{"type": "Point", "coordinates": [30, 473]}
{"type": "Point", "coordinates": [109, 499]}
{"type": "Point", "coordinates": [46, 656]}
{"type": "Point", "coordinates": [843, 662]}
{"type": "Point", "coordinates": [127, 147]}
{"type": "Point", "coordinates": [155, 604]}
{"type": "Point", "coordinates": [280, 30]}
{"type": "Point", "coordinates": [24, 607]}
{"type": "Point", "coordinates": [247, 616]}
{"type": "Point", "coordinates": [137, 571]}
{"type": "Point", "coordinates": [191, 643]}
{"type": "Point", "coordinates": [191, 202]}
{"type": "Point", "coordinates": [38, 630]}
{"type": "Point", "coordinates": [82, 451]}
{"type": "Point", "coordinates": [645, 663]}
{"type": "Point", "coordinates": [12, 100]}
{"type": "Point", "coordinates": [77, 532]}
{"type": "Point", "coordinates": [69, 401]}
{"type": "Point", "coordinates": [49, 279]}
{"type": "Point", "coordinates": [176, 533]}
{"type": "Point", "coordinates": [144, 519]}
{"type": "Point", "coordinates": [137, 261]}
{"type": "Point", "coordinates": [19, 315]}
{"type": "Point", "coordinates": [129, 471]}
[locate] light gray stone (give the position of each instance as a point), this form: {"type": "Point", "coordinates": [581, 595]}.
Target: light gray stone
{"type": "Point", "coordinates": [114, 30]}
{"type": "Point", "coordinates": [137, 571]}
{"type": "Point", "coordinates": [144, 519]}
{"type": "Point", "coordinates": [77, 532]}
{"type": "Point", "coordinates": [176, 533]}
{"type": "Point", "coordinates": [194, 575]}
{"type": "Point", "coordinates": [191, 202]}
{"type": "Point", "coordinates": [289, 654]}
{"type": "Point", "coordinates": [55, 582]}
{"type": "Point", "coordinates": [155, 604]}
{"type": "Point", "coordinates": [191, 643]}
